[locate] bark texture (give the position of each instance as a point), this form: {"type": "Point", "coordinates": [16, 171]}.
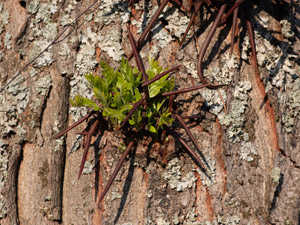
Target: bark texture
{"type": "Point", "coordinates": [251, 154]}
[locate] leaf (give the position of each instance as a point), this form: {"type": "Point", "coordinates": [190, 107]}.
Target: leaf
{"type": "Point", "coordinates": [95, 81]}
{"type": "Point", "coordinates": [80, 101]}
{"type": "Point", "coordinates": [156, 87]}
{"type": "Point", "coordinates": [152, 129]}
{"type": "Point", "coordinates": [100, 95]}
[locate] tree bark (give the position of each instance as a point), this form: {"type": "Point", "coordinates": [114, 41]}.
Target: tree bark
{"type": "Point", "coordinates": [251, 153]}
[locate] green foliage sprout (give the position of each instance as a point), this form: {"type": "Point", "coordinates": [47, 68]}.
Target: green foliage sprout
{"type": "Point", "coordinates": [116, 91]}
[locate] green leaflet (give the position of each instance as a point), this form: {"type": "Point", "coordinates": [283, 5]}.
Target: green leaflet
{"type": "Point", "coordinates": [115, 92]}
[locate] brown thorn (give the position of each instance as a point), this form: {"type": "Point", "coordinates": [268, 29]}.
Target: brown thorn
{"type": "Point", "coordinates": [148, 28]}
{"type": "Point", "coordinates": [251, 35]}
{"type": "Point", "coordinates": [82, 133]}
{"type": "Point", "coordinates": [234, 20]}
{"type": "Point", "coordinates": [170, 105]}
{"type": "Point", "coordinates": [189, 133]}
{"type": "Point", "coordinates": [135, 106]}
{"type": "Point", "coordinates": [114, 174]}
{"type": "Point", "coordinates": [207, 41]}
{"type": "Point", "coordinates": [138, 60]}
{"type": "Point", "coordinates": [75, 124]}
{"type": "Point", "coordinates": [188, 149]}
{"type": "Point", "coordinates": [190, 117]}
{"type": "Point", "coordinates": [187, 90]}
{"type": "Point", "coordinates": [191, 22]}
{"type": "Point", "coordinates": [87, 146]}
{"type": "Point", "coordinates": [158, 76]}
{"type": "Point", "coordinates": [232, 9]}
{"type": "Point", "coordinates": [130, 2]}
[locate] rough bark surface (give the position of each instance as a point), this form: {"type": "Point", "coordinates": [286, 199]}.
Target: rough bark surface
{"type": "Point", "coordinates": [251, 154]}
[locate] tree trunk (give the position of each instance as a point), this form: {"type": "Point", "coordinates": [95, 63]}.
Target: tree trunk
{"type": "Point", "coordinates": [248, 141]}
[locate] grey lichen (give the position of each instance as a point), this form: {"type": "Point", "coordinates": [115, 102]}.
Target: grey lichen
{"type": "Point", "coordinates": [115, 195]}
{"type": "Point", "coordinates": [46, 59]}
{"type": "Point", "coordinates": [223, 73]}
{"type": "Point", "coordinates": [46, 11]}
{"type": "Point", "coordinates": [21, 132]}
{"type": "Point", "coordinates": [112, 12]}
{"type": "Point", "coordinates": [162, 221]}
{"type": "Point", "coordinates": [190, 218]}
{"type": "Point", "coordinates": [209, 178]}
{"type": "Point", "coordinates": [276, 174]}
{"type": "Point", "coordinates": [245, 48]}
{"type": "Point", "coordinates": [85, 59]}
{"type": "Point", "coordinates": [176, 23]}
{"type": "Point", "coordinates": [50, 31]}
{"type": "Point", "coordinates": [145, 16]}
{"type": "Point", "coordinates": [213, 100]}
{"type": "Point", "coordinates": [247, 151]}
{"type": "Point", "coordinates": [3, 175]}
{"type": "Point", "coordinates": [291, 101]}
{"type": "Point", "coordinates": [235, 119]}
{"type": "Point", "coordinates": [230, 220]}
{"type": "Point", "coordinates": [7, 41]}
{"type": "Point", "coordinates": [174, 177]}
{"type": "Point", "coordinates": [214, 222]}
{"type": "Point", "coordinates": [149, 193]}
{"type": "Point", "coordinates": [110, 43]}
{"type": "Point", "coordinates": [287, 29]}
{"type": "Point", "coordinates": [58, 144]}
{"type": "Point", "coordinates": [64, 51]}
{"type": "Point", "coordinates": [43, 85]}
{"type": "Point", "coordinates": [33, 6]}
{"type": "Point", "coordinates": [283, 73]}
{"type": "Point", "coordinates": [13, 104]}
{"type": "Point", "coordinates": [5, 17]}
{"type": "Point", "coordinates": [88, 168]}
